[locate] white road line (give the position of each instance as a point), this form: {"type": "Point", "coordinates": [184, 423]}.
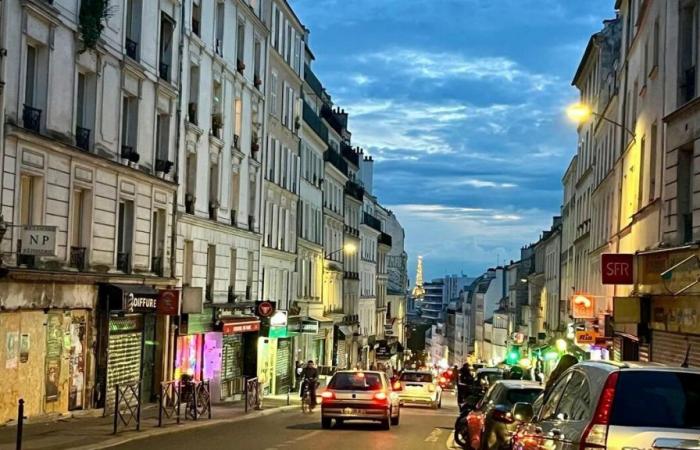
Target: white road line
{"type": "Point", "coordinates": [434, 435]}
{"type": "Point", "coordinates": [450, 443]}
{"type": "Point", "coordinates": [306, 436]}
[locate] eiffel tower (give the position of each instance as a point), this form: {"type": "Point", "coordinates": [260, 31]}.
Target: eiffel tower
{"type": "Point", "coordinates": [418, 291]}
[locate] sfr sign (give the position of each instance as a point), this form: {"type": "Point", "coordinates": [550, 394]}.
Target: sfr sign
{"type": "Point", "coordinates": [617, 268]}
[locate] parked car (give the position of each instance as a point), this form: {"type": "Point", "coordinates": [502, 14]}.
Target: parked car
{"type": "Point", "coordinates": [359, 395]}
{"type": "Point", "coordinates": [597, 405]}
{"type": "Point", "coordinates": [490, 425]}
{"type": "Point", "coordinates": [486, 376]}
{"type": "Point", "coordinates": [419, 387]}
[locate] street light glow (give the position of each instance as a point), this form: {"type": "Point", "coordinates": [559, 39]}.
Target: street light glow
{"type": "Point", "coordinates": [578, 112]}
{"type": "Point", "coordinates": [349, 248]}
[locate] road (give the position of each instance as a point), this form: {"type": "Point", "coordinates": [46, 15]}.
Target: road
{"type": "Point", "coordinates": [420, 428]}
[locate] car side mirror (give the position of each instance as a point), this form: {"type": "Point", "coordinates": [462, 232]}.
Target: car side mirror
{"type": "Point", "coordinates": [523, 412]}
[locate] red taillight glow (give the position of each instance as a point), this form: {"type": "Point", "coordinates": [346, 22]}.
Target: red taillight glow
{"type": "Point", "coordinates": [443, 379]}
{"type": "Point", "coordinates": [380, 396]}
{"type": "Point", "coordinates": [397, 386]}
{"type": "Point", "coordinates": [327, 395]}
{"type": "Point", "coordinates": [596, 434]}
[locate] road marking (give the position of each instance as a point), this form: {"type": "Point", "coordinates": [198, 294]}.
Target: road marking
{"type": "Point", "coordinates": [306, 436]}
{"type": "Point", "coordinates": [450, 442]}
{"type": "Point", "coordinates": [434, 435]}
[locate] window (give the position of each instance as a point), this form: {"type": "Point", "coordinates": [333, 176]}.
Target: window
{"type": "Point", "coordinates": [130, 111]}
{"type": "Point", "coordinates": [192, 104]}
{"type": "Point", "coordinates": [575, 404]}
{"type": "Point", "coordinates": [674, 397]}
{"type": "Point", "coordinates": [81, 218]}
{"type": "Point", "coordinates": [162, 141]}
{"type": "Point", "coordinates": [276, 27]}
{"type": "Point", "coordinates": [652, 162]}
{"type": "Point", "coordinates": [249, 276]}
{"type": "Point", "coordinates": [31, 198]}
{"type": "Point", "coordinates": [217, 120]}
{"type": "Point", "coordinates": [235, 194]}
{"type": "Point", "coordinates": [211, 271]}
{"type": "Point", "coordinates": [285, 102]}
{"type": "Point", "coordinates": [167, 29]}
{"type": "Point", "coordinates": [125, 235]}
{"type": "Point", "coordinates": [157, 241]}
{"type": "Point", "coordinates": [133, 28]}
{"type": "Point", "coordinates": [685, 194]}
{"type": "Point", "coordinates": [196, 18]}
{"type": "Point", "coordinates": [257, 63]}
{"type": "Point", "coordinates": [219, 42]}
{"type": "Point", "coordinates": [30, 77]}
{"type": "Point", "coordinates": [655, 45]}
{"type": "Point", "coordinates": [240, 42]}
{"type": "Point", "coordinates": [35, 86]}
{"type": "Point", "coordinates": [688, 38]}
{"type": "Point", "coordinates": [191, 183]}
{"type": "Point", "coordinates": [273, 93]}
{"type": "Point", "coordinates": [232, 272]}
{"type": "Point", "coordinates": [213, 185]}
{"type": "Point", "coordinates": [551, 402]}
{"type": "Point", "coordinates": [187, 263]}
{"type": "Point", "coordinates": [642, 163]}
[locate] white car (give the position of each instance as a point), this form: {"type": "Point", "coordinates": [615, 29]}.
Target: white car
{"type": "Point", "coordinates": [419, 387]}
{"type": "Point", "coordinates": [359, 395]}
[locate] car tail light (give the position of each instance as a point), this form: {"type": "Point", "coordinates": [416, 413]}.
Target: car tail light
{"type": "Point", "coordinates": [503, 416]}
{"type": "Point", "coordinates": [596, 434]}
{"type": "Point", "coordinates": [327, 395]}
{"type": "Point", "coordinates": [443, 380]}
{"type": "Point", "coordinates": [397, 386]}
{"type": "Point", "coordinates": [380, 396]}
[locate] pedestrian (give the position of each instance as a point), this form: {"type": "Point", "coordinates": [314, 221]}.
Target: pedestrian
{"type": "Point", "coordinates": [298, 369]}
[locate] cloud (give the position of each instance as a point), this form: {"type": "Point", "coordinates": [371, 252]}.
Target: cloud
{"type": "Point", "coordinates": [361, 79]}
{"type": "Point", "coordinates": [486, 184]}
{"type": "Point", "coordinates": [421, 64]}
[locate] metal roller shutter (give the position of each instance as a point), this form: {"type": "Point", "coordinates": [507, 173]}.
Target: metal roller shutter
{"type": "Point", "coordinates": [282, 366]}
{"type": "Point", "coordinates": [671, 348]}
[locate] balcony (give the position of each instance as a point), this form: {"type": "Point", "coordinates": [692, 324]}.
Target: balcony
{"type": "Point", "coordinates": [124, 262]}
{"type": "Point", "coordinates": [313, 121]}
{"type": "Point", "coordinates": [354, 190]}
{"type": "Point", "coordinates": [189, 203]}
{"type": "Point", "coordinates": [164, 71]}
{"type": "Point", "coordinates": [336, 160]}
{"type": "Point", "coordinates": [350, 154]}
{"type": "Point", "coordinates": [131, 47]}
{"type": "Point", "coordinates": [313, 82]}
{"type": "Point", "coordinates": [330, 117]}
{"type": "Point", "coordinates": [351, 230]}
{"type": "Point", "coordinates": [130, 154]}
{"type": "Point", "coordinates": [157, 265]}
{"type": "Point", "coordinates": [371, 221]}
{"type": "Point", "coordinates": [77, 258]}
{"type": "Point", "coordinates": [385, 239]}
{"type": "Point", "coordinates": [163, 165]}
{"type": "Point", "coordinates": [351, 276]}
{"type": "Point", "coordinates": [31, 118]}
{"type": "Point", "coordinates": [82, 138]}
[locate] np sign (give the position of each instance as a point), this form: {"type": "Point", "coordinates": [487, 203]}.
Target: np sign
{"type": "Point", "coordinates": [618, 268]}
{"type": "Point", "coordinates": [38, 240]}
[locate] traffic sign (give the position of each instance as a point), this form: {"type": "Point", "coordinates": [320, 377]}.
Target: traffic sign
{"type": "Point", "coordinates": [264, 308]}
{"type": "Point", "coordinates": [617, 268]}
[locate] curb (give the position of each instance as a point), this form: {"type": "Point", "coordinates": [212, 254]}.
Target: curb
{"type": "Point", "coordinates": [153, 432]}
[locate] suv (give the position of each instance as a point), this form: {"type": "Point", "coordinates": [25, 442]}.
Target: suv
{"type": "Point", "coordinates": [597, 405]}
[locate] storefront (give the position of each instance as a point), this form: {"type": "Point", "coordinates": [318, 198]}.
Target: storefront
{"type": "Point", "coordinates": [342, 346]}
{"type": "Point", "coordinates": [127, 345]}
{"type": "Point", "coordinates": [238, 334]}
{"type": "Point", "coordinates": [675, 337]}
{"type": "Point", "coordinates": [275, 355]}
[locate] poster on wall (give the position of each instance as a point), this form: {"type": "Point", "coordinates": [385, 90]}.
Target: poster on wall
{"type": "Point", "coordinates": [24, 348]}
{"type": "Point", "coordinates": [11, 349]}
{"type": "Point", "coordinates": [77, 364]}
{"type": "Point", "coordinates": [54, 348]}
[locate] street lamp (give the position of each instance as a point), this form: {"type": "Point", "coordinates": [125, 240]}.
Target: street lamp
{"type": "Point", "coordinates": [349, 249]}
{"type": "Point", "coordinates": [580, 113]}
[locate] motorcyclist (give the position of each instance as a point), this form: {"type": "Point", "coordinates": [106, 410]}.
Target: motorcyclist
{"type": "Point", "coordinates": [464, 381]}
{"type": "Point", "coordinates": [310, 379]}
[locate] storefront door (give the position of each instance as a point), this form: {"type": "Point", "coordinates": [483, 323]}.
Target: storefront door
{"type": "Point", "coordinates": [149, 357]}
{"type": "Point", "coordinates": [124, 353]}
{"type": "Point", "coordinates": [283, 366]}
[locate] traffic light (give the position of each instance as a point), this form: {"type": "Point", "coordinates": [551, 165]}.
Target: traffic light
{"type": "Point", "coordinates": [513, 355]}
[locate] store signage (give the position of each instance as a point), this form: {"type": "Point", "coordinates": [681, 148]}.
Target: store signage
{"type": "Point", "coordinates": [617, 268]}
{"type": "Point", "coordinates": [168, 302]}
{"type": "Point", "coordinates": [279, 319]}
{"type": "Point", "coordinates": [139, 304]}
{"type": "Point", "coordinates": [264, 308]}
{"type": "Point", "coordinates": [38, 240]}
{"type": "Point", "coordinates": [388, 329]}
{"type": "Point", "coordinates": [277, 332]}
{"type": "Point", "coordinates": [586, 337]}
{"type": "Point", "coordinates": [240, 326]}
{"type": "Point", "coordinates": [583, 306]}
{"type": "Point", "coordinates": [309, 326]}
{"type": "Point", "coordinates": [383, 350]}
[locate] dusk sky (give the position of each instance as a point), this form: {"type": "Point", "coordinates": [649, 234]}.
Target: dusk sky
{"type": "Point", "coordinates": [461, 103]}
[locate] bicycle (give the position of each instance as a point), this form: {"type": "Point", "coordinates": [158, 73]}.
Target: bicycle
{"type": "Point", "coordinates": [306, 407]}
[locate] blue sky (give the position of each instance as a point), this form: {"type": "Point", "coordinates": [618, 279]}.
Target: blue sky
{"type": "Point", "coordinates": [461, 103]}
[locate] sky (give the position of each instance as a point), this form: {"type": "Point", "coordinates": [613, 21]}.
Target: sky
{"type": "Point", "coordinates": [461, 103]}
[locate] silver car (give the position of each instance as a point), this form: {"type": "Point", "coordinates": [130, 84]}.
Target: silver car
{"type": "Point", "coordinates": [597, 405]}
{"type": "Point", "coordinates": [419, 387]}
{"type": "Point", "coordinates": [359, 395]}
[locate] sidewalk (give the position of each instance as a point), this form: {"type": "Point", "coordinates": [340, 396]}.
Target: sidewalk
{"type": "Point", "coordinates": [91, 432]}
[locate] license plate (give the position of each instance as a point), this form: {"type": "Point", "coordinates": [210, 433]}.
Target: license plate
{"type": "Point", "coordinates": [351, 411]}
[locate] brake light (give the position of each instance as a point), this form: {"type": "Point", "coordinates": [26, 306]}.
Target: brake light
{"type": "Point", "coordinates": [596, 434]}
{"type": "Point", "coordinates": [397, 386]}
{"type": "Point", "coordinates": [327, 395]}
{"type": "Point", "coordinates": [380, 396]}
{"type": "Point", "coordinates": [443, 379]}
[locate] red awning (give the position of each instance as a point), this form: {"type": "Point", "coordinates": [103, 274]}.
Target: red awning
{"type": "Point", "coordinates": [239, 325]}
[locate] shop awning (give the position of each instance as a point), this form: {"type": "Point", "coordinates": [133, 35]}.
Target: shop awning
{"type": "Point", "coordinates": [233, 325]}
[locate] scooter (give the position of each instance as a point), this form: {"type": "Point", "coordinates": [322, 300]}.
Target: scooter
{"type": "Point", "coordinates": [461, 430]}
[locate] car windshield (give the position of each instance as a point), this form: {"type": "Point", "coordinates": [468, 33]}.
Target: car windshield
{"type": "Point", "coordinates": [514, 396]}
{"type": "Point", "coordinates": [490, 377]}
{"type": "Point", "coordinates": [356, 381]}
{"type": "Point", "coordinates": [675, 397]}
{"type": "Point", "coordinates": [416, 377]}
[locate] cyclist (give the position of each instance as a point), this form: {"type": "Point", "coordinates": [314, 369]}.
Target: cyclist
{"type": "Point", "coordinates": [309, 378]}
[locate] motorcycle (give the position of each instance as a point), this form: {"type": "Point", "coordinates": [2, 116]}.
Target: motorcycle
{"type": "Point", "coordinates": [461, 430]}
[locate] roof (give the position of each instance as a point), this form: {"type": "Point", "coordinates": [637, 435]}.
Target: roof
{"type": "Point", "coordinates": [490, 370]}
{"type": "Point", "coordinates": [520, 384]}
{"type": "Point", "coordinates": [638, 366]}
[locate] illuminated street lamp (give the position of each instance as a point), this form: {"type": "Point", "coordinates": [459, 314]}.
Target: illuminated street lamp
{"type": "Point", "coordinates": [580, 113]}
{"type": "Point", "coordinates": [349, 249]}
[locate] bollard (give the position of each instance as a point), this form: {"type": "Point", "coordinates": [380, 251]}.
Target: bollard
{"type": "Point", "coordinates": [20, 422]}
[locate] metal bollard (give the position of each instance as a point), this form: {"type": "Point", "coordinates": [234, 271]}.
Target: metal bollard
{"type": "Point", "coordinates": [20, 423]}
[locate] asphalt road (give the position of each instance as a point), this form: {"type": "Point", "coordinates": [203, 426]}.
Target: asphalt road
{"type": "Point", "coordinates": [420, 428]}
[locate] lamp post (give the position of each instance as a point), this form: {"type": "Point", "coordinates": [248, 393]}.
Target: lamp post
{"type": "Point", "coordinates": [580, 113]}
